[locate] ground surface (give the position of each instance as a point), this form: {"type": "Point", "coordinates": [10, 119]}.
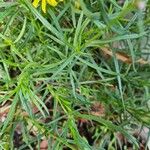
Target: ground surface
{"type": "Point", "coordinates": [76, 77]}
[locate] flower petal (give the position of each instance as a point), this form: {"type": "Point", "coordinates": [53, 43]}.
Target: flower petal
{"type": "Point", "coordinates": [52, 2]}
{"type": "Point", "coordinates": [44, 6]}
{"type": "Point", "coordinates": [35, 3]}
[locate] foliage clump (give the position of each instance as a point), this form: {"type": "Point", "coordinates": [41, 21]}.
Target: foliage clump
{"type": "Point", "coordinates": [76, 76]}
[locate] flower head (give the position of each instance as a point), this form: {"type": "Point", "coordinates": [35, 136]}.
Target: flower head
{"type": "Point", "coordinates": [44, 2]}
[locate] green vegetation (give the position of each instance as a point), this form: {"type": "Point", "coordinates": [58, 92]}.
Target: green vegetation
{"type": "Point", "coordinates": [76, 77]}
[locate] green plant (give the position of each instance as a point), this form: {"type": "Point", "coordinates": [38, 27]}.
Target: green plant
{"type": "Point", "coordinates": [55, 67]}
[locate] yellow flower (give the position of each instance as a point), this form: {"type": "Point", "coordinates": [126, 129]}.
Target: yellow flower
{"type": "Point", "coordinates": [77, 4]}
{"type": "Point", "coordinates": [44, 2]}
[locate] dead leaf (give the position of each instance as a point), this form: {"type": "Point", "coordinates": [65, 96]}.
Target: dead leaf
{"type": "Point", "coordinates": [44, 145]}
{"type": "Point", "coordinates": [122, 56]}
{"type": "Point", "coordinates": [98, 109]}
